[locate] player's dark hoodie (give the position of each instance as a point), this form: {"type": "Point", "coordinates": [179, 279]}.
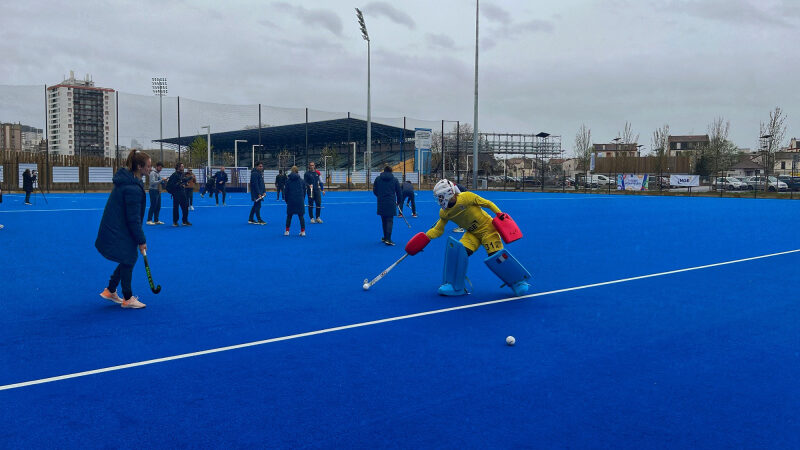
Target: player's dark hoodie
{"type": "Point", "coordinates": [294, 194]}
{"type": "Point", "coordinates": [120, 230]}
{"type": "Point", "coordinates": [387, 189]}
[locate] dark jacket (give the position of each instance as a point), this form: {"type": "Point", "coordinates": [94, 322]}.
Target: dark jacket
{"type": "Point", "coordinates": [27, 181]}
{"type": "Point", "coordinates": [256, 184]}
{"type": "Point", "coordinates": [408, 188]}
{"type": "Point", "coordinates": [280, 181]}
{"type": "Point", "coordinates": [312, 180]}
{"type": "Point", "coordinates": [179, 181]}
{"type": "Point", "coordinates": [387, 189]}
{"type": "Point", "coordinates": [461, 187]}
{"type": "Point", "coordinates": [211, 184]}
{"type": "Point", "coordinates": [222, 178]}
{"type": "Point", "coordinates": [295, 194]}
{"type": "Point", "coordinates": [121, 226]}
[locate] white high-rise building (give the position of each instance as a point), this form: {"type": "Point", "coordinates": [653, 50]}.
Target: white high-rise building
{"type": "Point", "coordinates": [81, 118]}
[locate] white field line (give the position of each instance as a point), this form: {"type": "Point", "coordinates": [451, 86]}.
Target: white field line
{"type": "Point", "coordinates": [284, 204]}
{"type": "Point", "coordinates": [376, 322]}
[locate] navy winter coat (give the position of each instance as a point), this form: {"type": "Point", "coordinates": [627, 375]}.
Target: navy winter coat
{"type": "Point", "coordinates": [27, 181]}
{"type": "Point", "coordinates": [387, 189]}
{"type": "Point", "coordinates": [256, 184]}
{"type": "Point", "coordinates": [280, 181]}
{"type": "Point", "coordinates": [120, 230]}
{"type": "Point", "coordinates": [295, 194]}
{"type": "Point", "coordinates": [222, 178]}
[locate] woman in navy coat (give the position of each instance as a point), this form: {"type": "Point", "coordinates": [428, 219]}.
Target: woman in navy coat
{"type": "Point", "coordinates": [120, 232]}
{"type": "Point", "coordinates": [294, 195]}
{"type": "Point", "coordinates": [387, 190]}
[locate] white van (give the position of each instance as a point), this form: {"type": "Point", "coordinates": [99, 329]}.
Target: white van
{"type": "Point", "coordinates": [596, 180]}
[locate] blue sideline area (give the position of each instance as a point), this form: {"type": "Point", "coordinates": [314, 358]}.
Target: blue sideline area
{"type": "Point", "coordinates": [698, 359]}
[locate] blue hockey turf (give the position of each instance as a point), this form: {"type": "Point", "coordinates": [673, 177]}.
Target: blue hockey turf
{"type": "Point", "coordinates": [703, 358]}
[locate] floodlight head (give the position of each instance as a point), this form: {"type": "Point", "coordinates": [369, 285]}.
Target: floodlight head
{"type": "Point", "coordinates": [766, 136]}
{"type": "Point", "coordinates": [159, 86]}
{"type": "Point", "coordinates": [363, 25]}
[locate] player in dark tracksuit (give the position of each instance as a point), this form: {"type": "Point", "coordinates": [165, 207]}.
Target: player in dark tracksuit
{"type": "Point", "coordinates": [221, 179]}
{"type": "Point", "coordinates": [178, 192]}
{"type": "Point", "coordinates": [408, 197]}
{"type": "Point", "coordinates": [280, 183]}
{"type": "Point", "coordinates": [294, 193]}
{"type": "Point", "coordinates": [257, 193]}
{"type": "Point", "coordinates": [314, 191]}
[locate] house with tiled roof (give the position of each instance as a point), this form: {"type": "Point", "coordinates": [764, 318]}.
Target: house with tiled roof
{"type": "Point", "coordinates": [686, 145]}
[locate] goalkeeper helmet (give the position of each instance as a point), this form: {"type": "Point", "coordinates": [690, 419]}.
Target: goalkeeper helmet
{"type": "Point", "coordinates": [444, 191]}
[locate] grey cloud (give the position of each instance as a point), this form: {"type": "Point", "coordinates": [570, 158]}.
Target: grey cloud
{"type": "Point", "coordinates": [390, 12]}
{"type": "Point", "coordinates": [440, 40]}
{"type": "Point", "coordinates": [324, 18]}
{"type": "Point", "coordinates": [531, 26]}
{"type": "Point", "coordinates": [740, 12]}
{"type": "Point", "coordinates": [494, 13]}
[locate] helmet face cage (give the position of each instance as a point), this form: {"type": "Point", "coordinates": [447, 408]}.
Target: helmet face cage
{"type": "Point", "coordinates": [444, 191]}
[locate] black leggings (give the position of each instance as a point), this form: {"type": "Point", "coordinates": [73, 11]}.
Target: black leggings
{"type": "Point", "coordinates": [27, 196]}
{"type": "Point", "coordinates": [179, 201]}
{"type": "Point", "coordinates": [124, 273]}
{"type": "Point", "coordinates": [220, 188]}
{"type": "Point", "coordinates": [409, 197]}
{"type": "Point", "coordinates": [190, 196]}
{"type": "Point", "coordinates": [315, 198]}
{"type": "Point", "coordinates": [155, 205]}
{"type": "Point", "coordinates": [280, 189]}
{"type": "Point", "coordinates": [302, 221]}
{"type": "Point", "coordinates": [387, 222]}
{"type": "Point", "coordinates": [256, 209]}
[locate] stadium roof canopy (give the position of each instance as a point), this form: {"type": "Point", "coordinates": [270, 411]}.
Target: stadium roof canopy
{"type": "Point", "coordinates": [322, 133]}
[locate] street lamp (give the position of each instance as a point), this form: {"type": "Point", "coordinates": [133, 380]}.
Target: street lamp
{"type": "Point", "coordinates": [253, 158]}
{"type": "Point", "coordinates": [365, 35]}
{"type": "Point", "coordinates": [475, 120]}
{"type": "Point", "coordinates": [766, 147]}
{"type": "Point", "coordinates": [236, 152]}
{"type": "Point", "coordinates": [208, 144]}
{"type": "Point", "coordinates": [638, 156]}
{"type": "Point", "coordinates": [160, 89]}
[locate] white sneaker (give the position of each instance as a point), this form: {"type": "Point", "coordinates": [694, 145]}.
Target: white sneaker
{"type": "Point", "coordinates": [286, 233]}
{"type": "Point", "coordinates": [1, 226]}
{"type": "Point", "coordinates": [191, 208]}
{"type": "Point", "coordinates": [150, 222]}
{"type": "Point", "coordinates": [108, 295]}
{"type": "Point", "coordinates": [319, 220]}
{"type": "Point", "coordinates": [133, 302]}
{"type": "Point", "coordinates": [302, 233]}
{"type": "Point", "coordinates": [159, 223]}
{"type": "Point", "coordinates": [313, 220]}
{"type": "Point", "coordinates": [458, 230]}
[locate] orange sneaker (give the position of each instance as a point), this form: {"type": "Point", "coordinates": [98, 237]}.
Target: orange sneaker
{"type": "Point", "coordinates": [108, 295]}
{"type": "Point", "coordinates": [133, 302]}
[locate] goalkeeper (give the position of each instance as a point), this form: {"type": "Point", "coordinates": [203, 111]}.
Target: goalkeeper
{"type": "Point", "coordinates": [465, 209]}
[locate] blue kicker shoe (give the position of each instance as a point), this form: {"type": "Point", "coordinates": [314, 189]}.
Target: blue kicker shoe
{"type": "Point", "coordinates": [447, 290]}
{"type": "Point", "coordinates": [520, 288]}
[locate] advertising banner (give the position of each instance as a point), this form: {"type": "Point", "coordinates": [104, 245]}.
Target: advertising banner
{"type": "Point", "coordinates": [632, 182]}
{"type": "Point", "coordinates": [684, 180]}
{"type": "Point", "coordinates": [422, 145]}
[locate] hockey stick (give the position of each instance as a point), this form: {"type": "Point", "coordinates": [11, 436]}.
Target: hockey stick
{"type": "Point", "coordinates": [403, 216]}
{"type": "Point", "coordinates": [368, 284]}
{"type": "Point", "coordinates": [153, 287]}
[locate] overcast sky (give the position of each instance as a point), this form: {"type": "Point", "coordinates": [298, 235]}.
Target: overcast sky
{"type": "Point", "coordinates": [544, 65]}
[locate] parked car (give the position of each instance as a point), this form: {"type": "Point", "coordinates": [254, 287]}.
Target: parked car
{"type": "Point", "coordinates": [792, 182]}
{"type": "Point", "coordinates": [772, 183]}
{"type": "Point", "coordinates": [728, 183]}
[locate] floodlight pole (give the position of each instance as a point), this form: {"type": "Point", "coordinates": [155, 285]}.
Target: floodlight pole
{"type": "Point", "coordinates": [365, 35]}
{"type": "Point", "coordinates": [208, 145]}
{"type": "Point", "coordinates": [253, 158]}
{"type": "Point", "coordinates": [236, 151]}
{"type": "Point", "coordinates": [160, 89]}
{"type": "Point", "coordinates": [475, 125]}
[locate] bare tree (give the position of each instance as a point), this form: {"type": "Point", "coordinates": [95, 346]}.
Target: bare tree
{"type": "Point", "coordinates": [772, 133]}
{"type": "Point", "coordinates": [627, 135]}
{"type": "Point", "coordinates": [583, 147]}
{"type": "Point", "coordinates": [660, 147]}
{"type": "Point", "coordinates": [720, 150]}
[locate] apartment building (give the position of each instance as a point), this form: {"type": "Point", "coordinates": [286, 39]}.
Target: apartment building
{"type": "Point", "coordinates": [81, 118]}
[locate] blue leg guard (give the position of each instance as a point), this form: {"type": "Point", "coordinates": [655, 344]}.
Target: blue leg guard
{"type": "Point", "coordinates": [508, 269]}
{"type": "Point", "coordinates": [455, 269]}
